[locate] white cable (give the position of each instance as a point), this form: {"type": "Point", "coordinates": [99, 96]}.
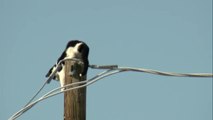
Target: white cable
{"type": "Point", "coordinates": [165, 73]}
{"type": "Point", "coordinates": [51, 93]}
{"type": "Point", "coordinates": [115, 67]}
{"type": "Point", "coordinates": [156, 72]}
{"type": "Point", "coordinates": [76, 83]}
{"type": "Point", "coordinates": [112, 69]}
{"type": "Point", "coordinates": [50, 78]}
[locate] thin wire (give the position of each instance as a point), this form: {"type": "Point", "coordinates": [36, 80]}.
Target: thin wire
{"type": "Point", "coordinates": [51, 93]}
{"type": "Point", "coordinates": [87, 83]}
{"type": "Point", "coordinates": [115, 67]}
{"type": "Point", "coordinates": [112, 69]}
{"type": "Point", "coordinates": [51, 77]}
{"type": "Point", "coordinates": [76, 83]}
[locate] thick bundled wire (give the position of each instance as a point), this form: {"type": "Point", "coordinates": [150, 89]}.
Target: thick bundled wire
{"type": "Point", "coordinates": [156, 72]}
{"type": "Point", "coordinates": [110, 70]}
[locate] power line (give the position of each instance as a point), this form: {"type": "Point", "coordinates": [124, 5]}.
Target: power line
{"type": "Point", "coordinates": [110, 70]}
{"type": "Point", "coordinates": [156, 72]}
{"type": "Point", "coordinates": [58, 91]}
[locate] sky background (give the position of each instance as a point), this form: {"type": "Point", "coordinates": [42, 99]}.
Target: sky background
{"type": "Point", "coordinates": [166, 35]}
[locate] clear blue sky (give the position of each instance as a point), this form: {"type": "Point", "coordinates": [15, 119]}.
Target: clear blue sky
{"type": "Point", "coordinates": [167, 35]}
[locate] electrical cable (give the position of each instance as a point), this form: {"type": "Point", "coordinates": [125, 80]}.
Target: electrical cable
{"type": "Point", "coordinates": [111, 70]}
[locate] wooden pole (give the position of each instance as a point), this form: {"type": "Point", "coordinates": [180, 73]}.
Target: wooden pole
{"type": "Point", "coordinates": [74, 100]}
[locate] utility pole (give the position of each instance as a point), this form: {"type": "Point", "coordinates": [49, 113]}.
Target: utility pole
{"type": "Point", "coordinates": [74, 100]}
